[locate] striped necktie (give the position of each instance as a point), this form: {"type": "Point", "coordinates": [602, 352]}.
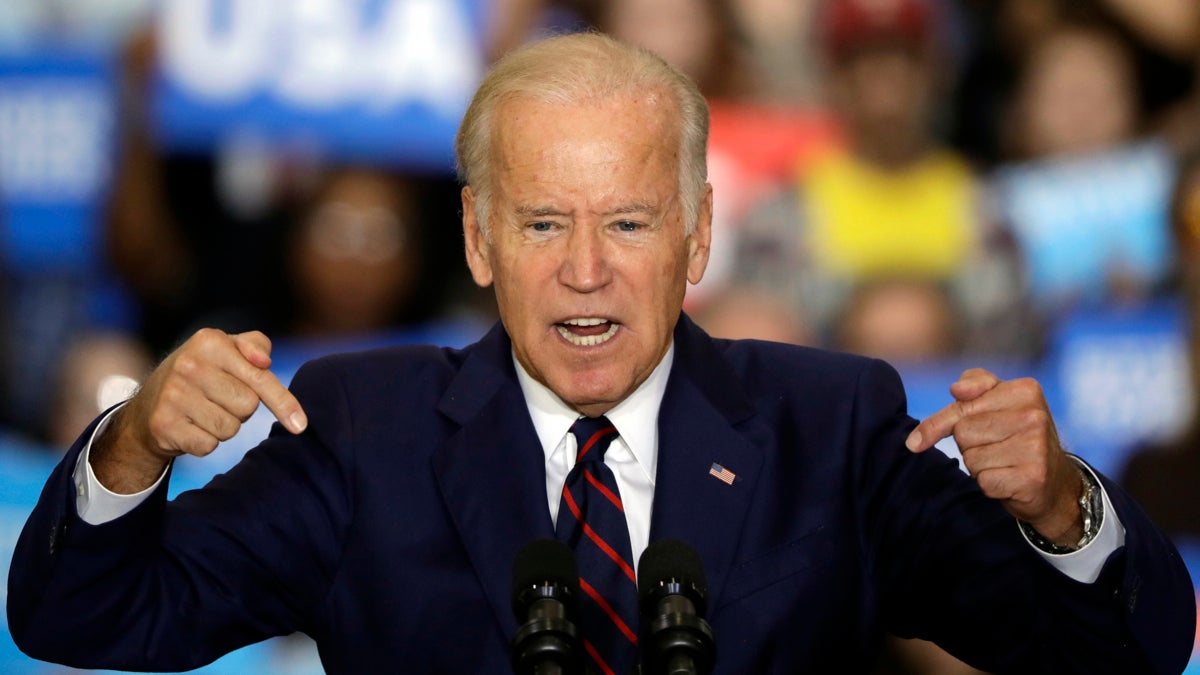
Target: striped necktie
{"type": "Point", "coordinates": [591, 520]}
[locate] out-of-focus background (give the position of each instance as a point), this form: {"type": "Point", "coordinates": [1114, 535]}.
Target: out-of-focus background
{"type": "Point", "coordinates": [941, 183]}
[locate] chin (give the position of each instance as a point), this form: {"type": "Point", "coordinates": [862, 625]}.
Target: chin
{"type": "Point", "coordinates": [583, 394]}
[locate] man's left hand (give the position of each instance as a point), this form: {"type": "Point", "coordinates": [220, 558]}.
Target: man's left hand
{"type": "Point", "coordinates": [1009, 445]}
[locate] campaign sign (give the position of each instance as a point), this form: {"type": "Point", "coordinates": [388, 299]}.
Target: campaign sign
{"type": "Point", "coordinates": [1125, 379]}
{"type": "Point", "coordinates": [57, 131]}
{"type": "Point", "coordinates": [1087, 223]}
{"type": "Point", "coordinates": [375, 80]}
{"type": "Point", "coordinates": [1114, 378]}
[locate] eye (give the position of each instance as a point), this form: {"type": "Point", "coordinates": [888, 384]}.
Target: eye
{"type": "Point", "coordinates": [628, 226]}
{"type": "Point", "coordinates": [541, 226]}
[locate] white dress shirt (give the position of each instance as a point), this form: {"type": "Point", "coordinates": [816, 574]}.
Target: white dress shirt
{"type": "Point", "coordinates": [633, 458]}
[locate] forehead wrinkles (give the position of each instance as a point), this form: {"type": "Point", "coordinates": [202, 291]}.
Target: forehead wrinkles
{"type": "Point", "coordinates": [592, 145]}
{"type": "Point", "coordinates": [517, 119]}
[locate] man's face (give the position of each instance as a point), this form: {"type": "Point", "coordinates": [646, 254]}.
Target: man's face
{"type": "Point", "coordinates": [588, 253]}
{"type": "Point", "coordinates": [883, 92]}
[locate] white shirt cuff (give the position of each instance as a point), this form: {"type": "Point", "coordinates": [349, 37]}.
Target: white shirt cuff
{"type": "Point", "coordinates": [95, 503]}
{"type": "Point", "coordinates": [1085, 564]}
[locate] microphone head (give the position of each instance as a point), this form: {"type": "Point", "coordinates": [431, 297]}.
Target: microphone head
{"type": "Point", "coordinates": [543, 568]}
{"type": "Point", "coordinates": [669, 567]}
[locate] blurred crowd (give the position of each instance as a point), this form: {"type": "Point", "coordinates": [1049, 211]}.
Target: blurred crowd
{"type": "Point", "coordinates": [924, 181]}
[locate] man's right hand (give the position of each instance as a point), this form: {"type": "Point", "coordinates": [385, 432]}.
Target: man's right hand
{"type": "Point", "coordinates": [199, 396]}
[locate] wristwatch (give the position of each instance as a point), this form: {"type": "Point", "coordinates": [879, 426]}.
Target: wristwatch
{"type": "Point", "coordinates": [1091, 508]}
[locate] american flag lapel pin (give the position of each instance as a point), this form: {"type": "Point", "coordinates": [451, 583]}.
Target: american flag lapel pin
{"type": "Point", "coordinates": [722, 474]}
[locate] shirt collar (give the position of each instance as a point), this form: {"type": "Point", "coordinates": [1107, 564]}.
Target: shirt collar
{"type": "Point", "coordinates": [636, 418]}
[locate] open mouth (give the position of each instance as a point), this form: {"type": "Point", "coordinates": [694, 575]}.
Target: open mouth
{"type": "Point", "coordinates": [587, 332]}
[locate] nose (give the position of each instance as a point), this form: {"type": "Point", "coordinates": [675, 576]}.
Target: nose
{"type": "Point", "coordinates": [585, 267]}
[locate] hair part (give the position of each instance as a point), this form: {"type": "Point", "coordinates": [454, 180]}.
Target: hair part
{"type": "Point", "coordinates": [573, 69]}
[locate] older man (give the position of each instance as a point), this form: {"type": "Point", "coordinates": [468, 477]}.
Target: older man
{"type": "Point", "coordinates": [383, 517]}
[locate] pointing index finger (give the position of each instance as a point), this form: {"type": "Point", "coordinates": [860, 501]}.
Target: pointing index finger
{"type": "Point", "coordinates": [934, 428]}
{"type": "Point", "coordinates": [970, 385]}
{"type": "Point", "coordinates": [255, 347]}
{"type": "Point", "coordinates": [282, 404]}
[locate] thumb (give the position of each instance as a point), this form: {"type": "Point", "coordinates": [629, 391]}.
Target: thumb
{"type": "Point", "coordinates": [972, 384]}
{"type": "Point", "coordinates": [255, 347]}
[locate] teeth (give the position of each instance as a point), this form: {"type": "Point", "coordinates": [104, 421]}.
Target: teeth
{"type": "Point", "coordinates": [584, 322]}
{"type": "Point", "coordinates": [587, 340]}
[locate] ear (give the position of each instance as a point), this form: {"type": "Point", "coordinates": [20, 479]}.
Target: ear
{"type": "Point", "coordinates": [700, 240]}
{"type": "Point", "coordinates": [478, 249]}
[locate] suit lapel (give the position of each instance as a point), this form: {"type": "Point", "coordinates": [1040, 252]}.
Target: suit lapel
{"type": "Point", "coordinates": [492, 472]}
{"type": "Point", "coordinates": [705, 419]}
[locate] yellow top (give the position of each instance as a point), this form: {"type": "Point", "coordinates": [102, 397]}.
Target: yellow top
{"type": "Point", "coordinates": [863, 222]}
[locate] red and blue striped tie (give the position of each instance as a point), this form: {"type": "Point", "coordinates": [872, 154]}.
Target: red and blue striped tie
{"type": "Point", "coordinates": [591, 520]}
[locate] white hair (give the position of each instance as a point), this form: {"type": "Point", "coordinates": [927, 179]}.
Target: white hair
{"type": "Point", "coordinates": [578, 68]}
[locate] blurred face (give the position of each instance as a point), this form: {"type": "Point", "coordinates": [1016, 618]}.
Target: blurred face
{"type": "Point", "coordinates": [587, 251]}
{"type": "Point", "coordinates": [354, 262]}
{"type": "Point", "coordinates": [1079, 96]}
{"type": "Point", "coordinates": [900, 321]}
{"type": "Point", "coordinates": [884, 94]}
{"type": "Point", "coordinates": [680, 31]}
{"type": "Point", "coordinates": [98, 371]}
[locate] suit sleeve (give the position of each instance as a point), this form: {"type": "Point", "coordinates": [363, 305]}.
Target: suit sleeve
{"type": "Point", "coordinates": [951, 566]}
{"type": "Point", "coordinates": [175, 585]}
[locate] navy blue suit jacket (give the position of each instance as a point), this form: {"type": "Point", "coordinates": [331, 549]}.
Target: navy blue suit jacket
{"type": "Point", "coordinates": [388, 529]}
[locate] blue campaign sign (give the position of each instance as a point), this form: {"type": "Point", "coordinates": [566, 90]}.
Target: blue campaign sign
{"type": "Point", "coordinates": [1084, 223]}
{"type": "Point", "coordinates": [57, 131]}
{"type": "Point", "coordinates": [376, 80]}
{"type": "Point", "coordinates": [1125, 379]}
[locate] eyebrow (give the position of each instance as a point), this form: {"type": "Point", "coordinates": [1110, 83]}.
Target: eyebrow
{"type": "Point", "coordinates": [540, 211]}
{"type": "Point", "coordinates": [635, 207]}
